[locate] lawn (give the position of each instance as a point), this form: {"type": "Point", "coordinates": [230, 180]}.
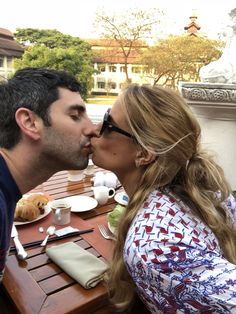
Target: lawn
{"type": "Point", "coordinates": [103, 100]}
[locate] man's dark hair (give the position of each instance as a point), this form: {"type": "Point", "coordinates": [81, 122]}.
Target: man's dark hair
{"type": "Point", "coordinates": [32, 88]}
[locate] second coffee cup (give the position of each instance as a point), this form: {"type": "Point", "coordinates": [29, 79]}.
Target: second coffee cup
{"type": "Point", "coordinates": [75, 175]}
{"type": "Point", "coordinates": [103, 193]}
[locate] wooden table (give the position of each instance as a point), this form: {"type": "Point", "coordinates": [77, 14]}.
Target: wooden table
{"type": "Point", "coordinates": [37, 285]}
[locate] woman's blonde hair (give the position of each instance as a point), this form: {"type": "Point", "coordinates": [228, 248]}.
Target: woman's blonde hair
{"type": "Point", "coordinates": [163, 123]}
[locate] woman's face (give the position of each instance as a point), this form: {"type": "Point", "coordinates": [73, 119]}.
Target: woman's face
{"type": "Point", "coordinates": [112, 150]}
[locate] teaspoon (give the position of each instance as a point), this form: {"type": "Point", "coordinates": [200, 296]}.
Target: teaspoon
{"type": "Point", "coordinates": [50, 231]}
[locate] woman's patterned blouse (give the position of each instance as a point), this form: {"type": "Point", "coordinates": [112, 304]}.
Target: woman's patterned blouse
{"type": "Point", "coordinates": [175, 259]}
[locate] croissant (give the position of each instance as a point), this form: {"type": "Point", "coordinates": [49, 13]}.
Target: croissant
{"type": "Point", "coordinates": [39, 200]}
{"type": "Point", "coordinates": [30, 208]}
{"type": "Point", "coordinates": [26, 211]}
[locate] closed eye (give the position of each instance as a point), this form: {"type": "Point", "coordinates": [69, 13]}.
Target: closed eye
{"type": "Point", "coordinates": [75, 117]}
{"type": "Point", "coordinates": [76, 112]}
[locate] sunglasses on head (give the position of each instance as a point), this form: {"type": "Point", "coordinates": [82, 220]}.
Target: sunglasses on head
{"type": "Point", "coordinates": [107, 125]}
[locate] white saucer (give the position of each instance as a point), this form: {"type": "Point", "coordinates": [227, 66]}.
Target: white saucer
{"type": "Point", "coordinates": [81, 203]}
{"type": "Point", "coordinates": [122, 198]}
{"type": "Point", "coordinates": [111, 228]}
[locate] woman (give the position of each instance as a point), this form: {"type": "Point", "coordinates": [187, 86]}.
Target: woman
{"type": "Point", "coordinates": [176, 243]}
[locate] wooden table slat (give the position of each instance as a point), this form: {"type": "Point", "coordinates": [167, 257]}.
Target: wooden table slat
{"type": "Point", "coordinates": [21, 286]}
{"type": "Point", "coordinates": [45, 271]}
{"type": "Point", "coordinates": [90, 300]}
{"type": "Point", "coordinates": [36, 261]}
{"type": "Point", "coordinates": [56, 283]}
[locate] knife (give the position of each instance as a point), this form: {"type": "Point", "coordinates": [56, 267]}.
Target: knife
{"type": "Point", "coordinates": [38, 242]}
{"type": "Point", "coordinates": [21, 253]}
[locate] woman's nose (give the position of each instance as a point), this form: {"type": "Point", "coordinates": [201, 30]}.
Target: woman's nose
{"type": "Point", "coordinates": [97, 129]}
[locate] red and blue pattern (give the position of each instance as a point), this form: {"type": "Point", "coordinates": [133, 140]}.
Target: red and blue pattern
{"type": "Point", "coordinates": [175, 259]}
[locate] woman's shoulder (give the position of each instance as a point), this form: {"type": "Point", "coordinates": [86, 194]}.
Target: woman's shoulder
{"type": "Point", "coordinates": [164, 202]}
{"type": "Point", "coordinates": [163, 217]}
{"type": "Point", "coordinates": [230, 205]}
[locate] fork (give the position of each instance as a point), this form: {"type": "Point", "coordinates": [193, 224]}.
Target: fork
{"type": "Point", "coordinates": [106, 233]}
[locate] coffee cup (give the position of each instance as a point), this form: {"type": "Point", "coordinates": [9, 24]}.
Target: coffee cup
{"type": "Point", "coordinates": [61, 212]}
{"type": "Point", "coordinates": [103, 193]}
{"type": "Point", "coordinates": [75, 175]}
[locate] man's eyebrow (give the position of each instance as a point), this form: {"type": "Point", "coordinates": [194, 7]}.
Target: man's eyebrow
{"type": "Point", "coordinates": [79, 108]}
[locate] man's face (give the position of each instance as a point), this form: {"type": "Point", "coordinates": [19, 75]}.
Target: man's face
{"type": "Point", "coordinates": [66, 143]}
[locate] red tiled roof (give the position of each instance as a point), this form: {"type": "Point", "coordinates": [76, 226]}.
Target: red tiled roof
{"type": "Point", "coordinates": [115, 56]}
{"type": "Point", "coordinates": [105, 42]}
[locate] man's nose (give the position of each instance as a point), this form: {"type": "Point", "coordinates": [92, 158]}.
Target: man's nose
{"type": "Point", "coordinates": [92, 129]}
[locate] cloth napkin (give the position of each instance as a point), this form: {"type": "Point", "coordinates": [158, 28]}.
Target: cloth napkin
{"type": "Point", "coordinates": [81, 265]}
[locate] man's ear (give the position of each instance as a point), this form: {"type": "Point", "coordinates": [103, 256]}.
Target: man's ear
{"type": "Point", "coordinates": [144, 157]}
{"type": "Point", "coordinates": [28, 122]}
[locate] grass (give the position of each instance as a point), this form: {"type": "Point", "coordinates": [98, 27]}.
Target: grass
{"type": "Point", "coordinates": [103, 100]}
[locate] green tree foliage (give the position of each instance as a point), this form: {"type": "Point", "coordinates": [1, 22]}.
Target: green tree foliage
{"type": "Point", "coordinates": [179, 58]}
{"type": "Point", "coordinates": [51, 38]}
{"type": "Point", "coordinates": [128, 30]}
{"type": "Point", "coordinates": [52, 49]}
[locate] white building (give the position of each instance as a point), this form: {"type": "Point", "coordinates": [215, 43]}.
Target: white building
{"type": "Point", "coordinates": [9, 49]}
{"type": "Point", "coordinates": [109, 63]}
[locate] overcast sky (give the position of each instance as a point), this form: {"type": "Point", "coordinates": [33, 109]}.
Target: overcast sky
{"type": "Point", "coordinates": [75, 17]}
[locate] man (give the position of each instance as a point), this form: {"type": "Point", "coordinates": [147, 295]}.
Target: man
{"type": "Point", "coordinates": [44, 128]}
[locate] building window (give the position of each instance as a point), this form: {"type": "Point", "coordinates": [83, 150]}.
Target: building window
{"type": "Point", "coordinates": [111, 85]}
{"type": "Point", "coordinates": [112, 68]}
{"type": "Point", "coordinates": [9, 62]}
{"type": "Point", "coordinates": [136, 69]}
{"type": "Point", "coordinates": [146, 70]}
{"type": "Point", "coordinates": [101, 84]}
{"type": "Point", "coordinates": [102, 67]}
{"type": "Point", "coordinates": [1, 62]}
{"type": "Point", "coordinates": [122, 69]}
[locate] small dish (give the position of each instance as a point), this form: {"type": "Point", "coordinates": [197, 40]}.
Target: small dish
{"type": "Point", "coordinates": [47, 210]}
{"type": "Point", "coordinates": [111, 228]}
{"type": "Point", "coordinates": [121, 198]}
{"type": "Point", "coordinates": [81, 203]}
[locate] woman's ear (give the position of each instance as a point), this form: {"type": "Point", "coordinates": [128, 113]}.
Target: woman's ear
{"type": "Point", "coordinates": [144, 157]}
{"type": "Point", "coordinates": [28, 122]}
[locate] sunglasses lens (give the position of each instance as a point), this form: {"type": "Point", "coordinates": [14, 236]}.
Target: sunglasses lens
{"type": "Point", "coordinates": [102, 129]}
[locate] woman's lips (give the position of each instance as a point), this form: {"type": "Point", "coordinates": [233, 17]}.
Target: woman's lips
{"type": "Point", "coordinates": [88, 149]}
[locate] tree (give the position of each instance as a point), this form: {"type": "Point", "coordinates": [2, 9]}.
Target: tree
{"type": "Point", "coordinates": [52, 49]}
{"type": "Point", "coordinates": [51, 38]}
{"type": "Point", "coordinates": [128, 30]}
{"type": "Point", "coordinates": [179, 58]}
